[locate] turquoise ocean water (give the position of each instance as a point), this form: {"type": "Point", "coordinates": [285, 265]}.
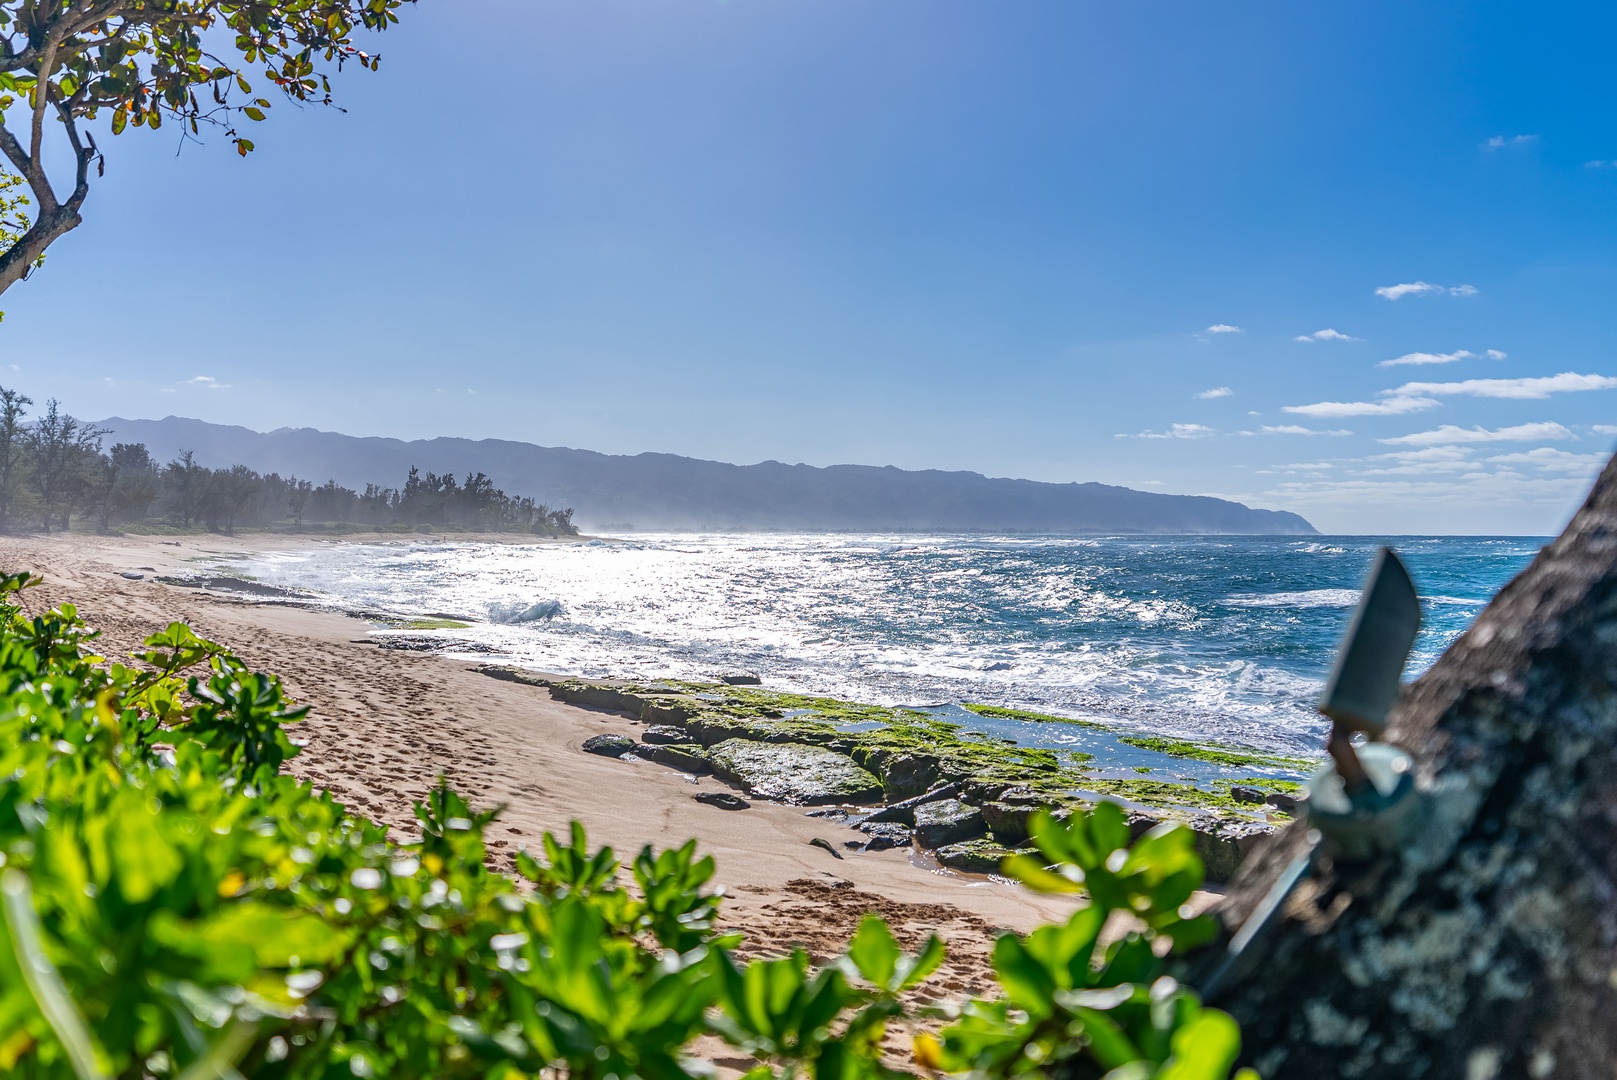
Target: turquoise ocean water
{"type": "Point", "coordinates": [1225, 638]}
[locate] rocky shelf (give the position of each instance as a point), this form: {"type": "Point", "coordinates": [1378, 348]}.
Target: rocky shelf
{"type": "Point", "coordinates": [909, 776]}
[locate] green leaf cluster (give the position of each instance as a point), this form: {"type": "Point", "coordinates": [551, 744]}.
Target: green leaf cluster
{"type": "Point", "coordinates": [1078, 997]}
{"type": "Point", "coordinates": [173, 905]}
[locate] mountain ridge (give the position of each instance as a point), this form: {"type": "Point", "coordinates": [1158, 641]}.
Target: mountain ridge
{"type": "Point", "coordinates": [668, 491]}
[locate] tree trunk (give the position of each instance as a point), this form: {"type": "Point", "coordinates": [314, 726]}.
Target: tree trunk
{"type": "Point", "coordinates": [1489, 947]}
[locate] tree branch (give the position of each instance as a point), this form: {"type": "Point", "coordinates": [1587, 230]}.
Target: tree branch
{"type": "Point", "coordinates": [54, 220]}
{"type": "Point", "coordinates": [42, 98]}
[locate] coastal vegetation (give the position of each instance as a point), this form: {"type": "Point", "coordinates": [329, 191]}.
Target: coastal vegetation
{"type": "Point", "coordinates": [173, 905]}
{"type": "Point", "coordinates": [54, 473]}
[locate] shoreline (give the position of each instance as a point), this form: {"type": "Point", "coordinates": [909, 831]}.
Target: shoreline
{"type": "Point", "coordinates": [1005, 761]}
{"type": "Point", "coordinates": [384, 725]}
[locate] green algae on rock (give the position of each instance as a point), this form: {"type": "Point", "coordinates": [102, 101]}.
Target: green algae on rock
{"type": "Point", "coordinates": [947, 821]}
{"type": "Point", "coordinates": [1217, 755]}
{"type": "Point", "coordinates": [794, 772]}
{"type": "Point", "coordinates": [809, 750]}
{"type": "Point", "coordinates": [1027, 714]}
{"type": "Point", "coordinates": [981, 856]}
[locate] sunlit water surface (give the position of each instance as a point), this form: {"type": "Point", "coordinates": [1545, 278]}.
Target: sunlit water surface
{"type": "Point", "coordinates": [1203, 637]}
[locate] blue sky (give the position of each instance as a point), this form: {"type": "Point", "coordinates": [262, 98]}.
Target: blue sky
{"type": "Point", "coordinates": [998, 237]}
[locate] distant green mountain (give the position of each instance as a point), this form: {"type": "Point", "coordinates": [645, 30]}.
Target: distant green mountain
{"type": "Point", "coordinates": [665, 491]}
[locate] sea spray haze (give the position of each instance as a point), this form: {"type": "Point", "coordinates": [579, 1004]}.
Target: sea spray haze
{"type": "Point", "coordinates": [1222, 638]}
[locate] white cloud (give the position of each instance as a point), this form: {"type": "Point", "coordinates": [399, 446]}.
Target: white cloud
{"type": "Point", "coordinates": [1605, 429]}
{"type": "Point", "coordinates": [206, 382]}
{"type": "Point", "coordinates": [1550, 459]}
{"type": "Point", "coordinates": [1518, 389]}
{"type": "Point", "coordinates": [1497, 354]}
{"type": "Point", "coordinates": [1451, 434]}
{"type": "Point", "coordinates": [1501, 142]}
{"type": "Point", "coordinates": [1432, 358]}
{"type": "Point", "coordinates": [1224, 328]}
{"type": "Point", "coordinates": [1423, 288]}
{"type": "Point", "coordinates": [1177, 431]}
{"type": "Point", "coordinates": [1326, 334]}
{"type": "Point", "coordinates": [1423, 462]}
{"type": "Point", "coordinates": [1297, 429]}
{"type": "Point", "coordinates": [1393, 406]}
{"type": "Point", "coordinates": [1411, 288]}
{"type": "Point", "coordinates": [1215, 392]}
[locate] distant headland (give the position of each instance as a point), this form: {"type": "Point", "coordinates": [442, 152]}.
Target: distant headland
{"type": "Point", "coordinates": [669, 492]}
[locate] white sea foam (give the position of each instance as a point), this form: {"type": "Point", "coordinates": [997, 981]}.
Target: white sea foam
{"type": "Point", "coordinates": [1190, 637]}
{"type": "Point", "coordinates": [1306, 598]}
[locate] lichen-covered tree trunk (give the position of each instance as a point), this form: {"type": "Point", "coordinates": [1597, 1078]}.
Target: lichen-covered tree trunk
{"type": "Point", "coordinates": [1489, 948]}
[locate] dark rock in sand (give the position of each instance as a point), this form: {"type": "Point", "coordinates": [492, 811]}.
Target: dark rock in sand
{"type": "Point", "coordinates": [609, 745]}
{"type": "Point", "coordinates": [834, 813]}
{"type": "Point", "coordinates": [973, 856]}
{"type": "Point", "coordinates": [825, 845]}
{"type": "Point", "coordinates": [947, 821]}
{"type": "Point", "coordinates": [889, 833]}
{"type": "Point", "coordinates": [686, 758]}
{"type": "Point", "coordinates": [723, 800]}
{"type": "Point", "coordinates": [904, 810]}
{"type": "Point", "coordinates": [665, 734]}
{"type": "Point", "coordinates": [793, 772]}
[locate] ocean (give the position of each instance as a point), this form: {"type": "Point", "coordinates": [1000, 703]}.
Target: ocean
{"type": "Point", "coordinates": [1216, 638]}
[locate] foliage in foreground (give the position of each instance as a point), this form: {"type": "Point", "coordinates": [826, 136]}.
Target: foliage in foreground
{"type": "Point", "coordinates": [174, 906]}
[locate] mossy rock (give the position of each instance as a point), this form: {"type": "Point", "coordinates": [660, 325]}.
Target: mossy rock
{"type": "Point", "coordinates": [1007, 816]}
{"type": "Point", "coordinates": [980, 856]}
{"type": "Point", "coordinates": [947, 821]}
{"type": "Point", "coordinates": [609, 745]}
{"type": "Point", "coordinates": [665, 734]}
{"type": "Point", "coordinates": [794, 772]}
{"type": "Point", "coordinates": [686, 758]}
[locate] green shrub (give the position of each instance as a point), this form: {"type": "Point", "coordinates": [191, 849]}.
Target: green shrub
{"type": "Point", "coordinates": [174, 906]}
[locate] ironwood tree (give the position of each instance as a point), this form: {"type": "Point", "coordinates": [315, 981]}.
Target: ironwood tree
{"type": "Point", "coordinates": [66, 65]}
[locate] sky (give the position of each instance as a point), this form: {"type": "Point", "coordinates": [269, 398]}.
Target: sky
{"type": "Point", "coordinates": [1355, 261]}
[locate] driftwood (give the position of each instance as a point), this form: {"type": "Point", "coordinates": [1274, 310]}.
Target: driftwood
{"type": "Point", "coordinates": [1489, 947]}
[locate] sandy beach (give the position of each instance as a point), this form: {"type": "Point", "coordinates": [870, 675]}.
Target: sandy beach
{"type": "Point", "coordinates": [384, 724]}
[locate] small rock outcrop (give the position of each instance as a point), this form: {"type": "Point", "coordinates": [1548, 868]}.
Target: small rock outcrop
{"type": "Point", "coordinates": [794, 772]}
{"type": "Point", "coordinates": [723, 800]}
{"type": "Point", "coordinates": [686, 758]}
{"type": "Point", "coordinates": [974, 856]}
{"type": "Point", "coordinates": [884, 835]}
{"type": "Point", "coordinates": [947, 821]}
{"type": "Point", "coordinates": [665, 734]}
{"type": "Point", "coordinates": [609, 745]}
